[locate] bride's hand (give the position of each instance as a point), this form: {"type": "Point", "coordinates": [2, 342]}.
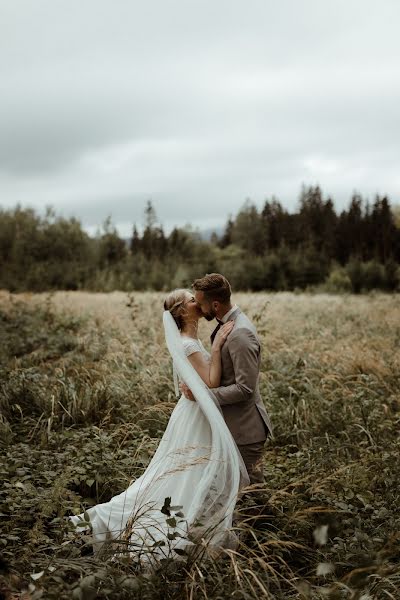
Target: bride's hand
{"type": "Point", "coordinates": [186, 391]}
{"type": "Point", "coordinates": [222, 334]}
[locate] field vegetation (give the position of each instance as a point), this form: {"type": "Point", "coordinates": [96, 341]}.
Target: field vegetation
{"type": "Point", "coordinates": [86, 392]}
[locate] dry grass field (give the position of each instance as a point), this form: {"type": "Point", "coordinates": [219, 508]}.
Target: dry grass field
{"type": "Point", "coordinates": [86, 391]}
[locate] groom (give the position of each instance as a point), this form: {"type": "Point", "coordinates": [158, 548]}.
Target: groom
{"type": "Point", "coordinates": [239, 395]}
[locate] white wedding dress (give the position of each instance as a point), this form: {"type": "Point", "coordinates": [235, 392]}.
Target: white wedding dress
{"type": "Point", "coordinates": [195, 474]}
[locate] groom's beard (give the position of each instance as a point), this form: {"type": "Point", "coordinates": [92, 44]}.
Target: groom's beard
{"type": "Point", "coordinates": [210, 315]}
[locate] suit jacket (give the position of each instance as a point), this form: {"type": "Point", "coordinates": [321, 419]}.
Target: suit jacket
{"type": "Point", "coordinates": [239, 394]}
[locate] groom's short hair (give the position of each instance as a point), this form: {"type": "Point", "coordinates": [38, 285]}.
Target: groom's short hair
{"type": "Point", "coordinates": [214, 287]}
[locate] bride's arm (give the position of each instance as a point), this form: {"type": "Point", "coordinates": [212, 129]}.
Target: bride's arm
{"type": "Point", "coordinates": [210, 372]}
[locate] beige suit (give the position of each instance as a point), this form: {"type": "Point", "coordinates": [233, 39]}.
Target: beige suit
{"type": "Point", "coordinates": [239, 394]}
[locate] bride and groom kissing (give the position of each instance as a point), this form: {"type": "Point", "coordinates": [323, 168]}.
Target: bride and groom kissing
{"type": "Point", "coordinates": [213, 444]}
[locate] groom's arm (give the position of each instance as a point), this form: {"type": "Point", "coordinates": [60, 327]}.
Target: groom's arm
{"type": "Point", "coordinates": [244, 350]}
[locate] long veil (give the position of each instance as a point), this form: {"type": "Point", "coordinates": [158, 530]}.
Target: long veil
{"type": "Point", "coordinates": [202, 470]}
{"type": "Point", "coordinates": [225, 473]}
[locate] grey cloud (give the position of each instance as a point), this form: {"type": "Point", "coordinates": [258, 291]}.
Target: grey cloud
{"type": "Point", "coordinates": [196, 105]}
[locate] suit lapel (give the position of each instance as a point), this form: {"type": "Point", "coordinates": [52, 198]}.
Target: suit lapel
{"type": "Point", "coordinates": [232, 317]}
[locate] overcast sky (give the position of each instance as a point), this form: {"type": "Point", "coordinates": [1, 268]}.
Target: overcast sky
{"type": "Point", "coordinates": [196, 105]}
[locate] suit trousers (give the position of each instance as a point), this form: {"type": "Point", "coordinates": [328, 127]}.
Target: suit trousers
{"type": "Point", "coordinates": [252, 456]}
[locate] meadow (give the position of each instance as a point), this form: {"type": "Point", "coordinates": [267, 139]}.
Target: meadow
{"type": "Point", "coordinates": [86, 392]}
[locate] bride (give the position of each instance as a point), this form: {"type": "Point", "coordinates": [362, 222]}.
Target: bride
{"type": "Point", "coordinates": [188, 492]}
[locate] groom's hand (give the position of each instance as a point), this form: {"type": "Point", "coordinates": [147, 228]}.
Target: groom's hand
{"type": "Point", "coordinates": [186, 391]}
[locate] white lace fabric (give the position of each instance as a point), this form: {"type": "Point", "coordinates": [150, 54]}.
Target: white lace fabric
{"type": "Point", "coordinates": [190, 346]}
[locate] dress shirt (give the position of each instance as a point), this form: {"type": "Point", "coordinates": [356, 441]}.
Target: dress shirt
{"type": "Point", "coordinates": [225, 318]}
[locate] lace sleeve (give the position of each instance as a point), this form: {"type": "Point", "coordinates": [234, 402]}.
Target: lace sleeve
{"type": "Point", "coordinates": [190, 346]}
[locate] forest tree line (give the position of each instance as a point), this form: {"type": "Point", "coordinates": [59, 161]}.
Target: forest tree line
{"type": "Point", "coordinates": [260, 249]}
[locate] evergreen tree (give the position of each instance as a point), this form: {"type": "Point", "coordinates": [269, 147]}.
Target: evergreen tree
{"type": "Point", "coordinates": [247, 232]}
{"type": "Point", "coordinates": [150, 216]}
{"type": "Point", "coordinates": [112, 247]}
{"type": "Point", "coordinates": [270, 249]}
{"type": "Point", "coordinates": [312, 215]}
{"type": "Point", "coordinates": [273, 219]}
{"type": "Point", "coordinates": [135, 243]}
{"type": "Point", "coordinates": [351, 228]}
{"type": "Point", "coordinates": [227, 237]}
{"type": "Point", "coordinates": [384, 229]}
{"type": "Point", "coordinates": [153, 243]}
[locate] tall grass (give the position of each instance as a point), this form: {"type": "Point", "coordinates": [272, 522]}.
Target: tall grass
{"type": "Point", "coordinates": [86, 392]}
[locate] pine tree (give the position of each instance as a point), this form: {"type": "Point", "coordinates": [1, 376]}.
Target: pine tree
{"type": "Point", "coordinates": [227, 237]}
{"type": "Point", "coordinates": [135, 243]}
{"type": "Point", "coordinates": [384, 229]}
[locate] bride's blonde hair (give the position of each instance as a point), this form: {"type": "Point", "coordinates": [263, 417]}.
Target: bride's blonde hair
{"type": "Point", "coordinates": [175, 303]}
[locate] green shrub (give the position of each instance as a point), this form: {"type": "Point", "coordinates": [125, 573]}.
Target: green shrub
{"type": "Point", "coordinates": [338, 281]}
{"type": "Point", "coordinates": [373, 276]}
{"type": "Point", "coordinates": [392, 276]}
{"type": "Point", "coordinates": [354, 271]}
